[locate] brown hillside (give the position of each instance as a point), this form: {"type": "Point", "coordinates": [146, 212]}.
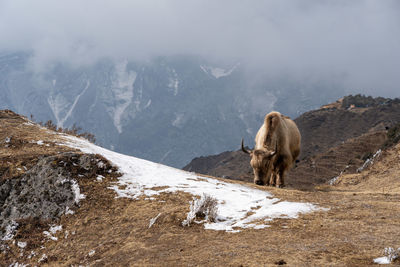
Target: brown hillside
{"type": "Point", "coordinates": [362, 218]}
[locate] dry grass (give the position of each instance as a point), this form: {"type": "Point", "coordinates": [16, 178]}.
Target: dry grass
{"type": "Point", "coordinates": [363, 218]}
{"type": "Point", "coordinates": [73, 130]}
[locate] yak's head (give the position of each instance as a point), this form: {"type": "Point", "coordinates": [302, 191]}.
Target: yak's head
{"type": "Point", "coordinates": [261, 162]}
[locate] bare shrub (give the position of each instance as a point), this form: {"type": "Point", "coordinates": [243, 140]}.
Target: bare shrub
{"type": "Point", "coordinates": [391, 253]}
{"type": "Point", "coordinates": [204, 208]}
{"type": "Point", "coordinates": [74, 130]}
{"type": "Point", "coordinates": [50, 125]}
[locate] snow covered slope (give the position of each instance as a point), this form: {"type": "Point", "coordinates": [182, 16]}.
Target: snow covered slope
{"type": "Point", "coordinates": [235, 202]}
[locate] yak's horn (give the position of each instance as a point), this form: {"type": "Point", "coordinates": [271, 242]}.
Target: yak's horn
{"type": "Point", "coordinates": [244, 149]}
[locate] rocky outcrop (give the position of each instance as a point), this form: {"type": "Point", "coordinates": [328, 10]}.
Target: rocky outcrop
{"type": "Point", "coordinates": [49, 189]}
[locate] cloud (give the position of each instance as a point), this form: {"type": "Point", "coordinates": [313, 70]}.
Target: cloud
{"type": "Point", "coordinates": [355, 40]}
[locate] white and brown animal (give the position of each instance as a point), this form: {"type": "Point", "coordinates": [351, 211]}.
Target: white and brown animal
{"type": "Point", "coordinates": [276, 149]}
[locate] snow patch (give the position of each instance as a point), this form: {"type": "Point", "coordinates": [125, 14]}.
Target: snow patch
{"type": "Point", "coordinates": [370, 161]}
{"type": "Point", "coordinates": [218, 72]}
{"type": "Point", "coordinates": [43, 258]}
{"type": "Point", "coordinates": [53, 229]}
{"type": "Point", "coordinates": [21, 244]}
{"type": "Point", "coordinates": [16, 264]}
{"type": "Point", "coordinates": [148, 104]}
{"type": "Point", "coordinates": [178, 121]}
{"type": "Point", "coordinates": [68, 211]}
{"type": "Point", "coordinates": [174, 82]}
{"type": "Point", "coordinates": [101, 165]}
{"type": "Point", "coordinates": [334, 180]}
{"type": "Point", "coordinates": [382, 260]}
{"type": "Point", "coordinates": [122, 88]}
{"type": "Point", "coordinates": [49, 236]}
{"type": "Point", "coordinates": [10, 231]}
{"type": "Point", "coordinates": [75, 188]}
{"type": "Point", "coordinates": [59, 105]}
{"type": "Point", "coordinates": [390, 255]}
{"type": "Point", "coordinates": [235, 201]}
{"type": "Point", "coordinates": [153, 220]}
{"type": "Point", "coordinates": [77, 192]}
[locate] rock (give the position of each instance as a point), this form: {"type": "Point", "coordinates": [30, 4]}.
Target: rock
{"type": "Point", "coordinates": [46, 190]}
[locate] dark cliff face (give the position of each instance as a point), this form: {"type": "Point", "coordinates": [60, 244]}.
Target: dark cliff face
{"type": "Point", "coordinates": [335, 138]}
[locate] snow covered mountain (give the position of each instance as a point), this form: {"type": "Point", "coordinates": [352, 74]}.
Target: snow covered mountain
{"type": "Point", "coordinates": [167, 110]}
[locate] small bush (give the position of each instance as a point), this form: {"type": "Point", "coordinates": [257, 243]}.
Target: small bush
{"type": "Point", "coordinates": [74, 130]}
{"type": "Point", "coordinates": [391, 253]}
{"type": "Point", "coordinates": [204, 208]}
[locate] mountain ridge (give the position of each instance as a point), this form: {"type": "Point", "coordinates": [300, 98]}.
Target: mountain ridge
{"type": "Point", "coordinates": [360, 130]}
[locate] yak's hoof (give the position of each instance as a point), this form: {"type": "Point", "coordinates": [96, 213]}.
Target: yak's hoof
{"type": "Point", "coordinates": [259, 182]}
{"type": "Point", "coordinates": [280, 185]}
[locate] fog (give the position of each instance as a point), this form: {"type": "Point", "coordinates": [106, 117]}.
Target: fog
{"type": "Point", "coordinates": [357, 42]}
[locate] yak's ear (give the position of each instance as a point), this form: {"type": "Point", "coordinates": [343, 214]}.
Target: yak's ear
{"type": "Point", "coordinates": [276, 149]}
{"type": "Point", "coordinates": [269, 154]}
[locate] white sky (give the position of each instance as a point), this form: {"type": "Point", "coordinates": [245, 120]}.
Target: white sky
{"type": "Point", "coordinates": [357, 40]}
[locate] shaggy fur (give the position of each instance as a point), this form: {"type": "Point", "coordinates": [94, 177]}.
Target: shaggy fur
{"type": "Point", "coordinates": [277, 145]}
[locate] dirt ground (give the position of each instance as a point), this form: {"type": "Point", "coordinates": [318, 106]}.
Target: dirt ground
{"type": "Point", "coordinates": [363, 218]}
{"type": "Point", "coordinates": [358, 226]}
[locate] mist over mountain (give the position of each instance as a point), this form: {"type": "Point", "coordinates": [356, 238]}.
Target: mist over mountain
{"type": "Point", "coordinates": [355, 42]}
{"type": "Point", "coordinates": [168, 110]}
{"type": "Point", "coordinates": [173, 80]}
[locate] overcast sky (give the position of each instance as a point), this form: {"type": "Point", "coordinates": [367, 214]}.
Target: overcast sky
{"type": "Point", "coordinates": [358, 41]}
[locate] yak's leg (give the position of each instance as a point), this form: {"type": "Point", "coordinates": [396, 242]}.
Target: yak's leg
{"type": "Point", "coordinates": [280, 182]}
{"type": "Point", "coordinates": [267, 181]}
{"type": "Point", "coordinates": [272, 179]}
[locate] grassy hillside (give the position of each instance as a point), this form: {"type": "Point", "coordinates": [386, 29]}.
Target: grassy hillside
{"type": "Point", "coordinates": [359, 220]}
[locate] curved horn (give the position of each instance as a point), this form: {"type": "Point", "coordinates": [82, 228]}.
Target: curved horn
{"type": "Point", "coordinates": [244, 149]}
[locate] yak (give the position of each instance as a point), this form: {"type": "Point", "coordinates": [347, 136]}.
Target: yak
{"type": "Point", "coordinates": [277, 145]}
